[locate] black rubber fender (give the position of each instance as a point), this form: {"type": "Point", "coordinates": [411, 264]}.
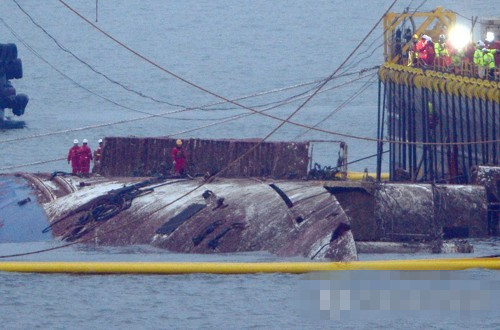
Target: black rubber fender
{"type": "Point", "coordinates": [20, 103]}
{"type": "Point", "coordinates": [14, 69]}
{"type": "Point", "coordinates": [8, 52]}
{"type": "Point", "coordinates": [6, 102]}
{"type": "Point", "coordinates": [7, 90]}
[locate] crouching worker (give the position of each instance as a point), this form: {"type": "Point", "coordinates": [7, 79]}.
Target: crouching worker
{"type": "Point", "coordinates": [74, 157]}
{"type": "Point", "coordinates": [179, 158]}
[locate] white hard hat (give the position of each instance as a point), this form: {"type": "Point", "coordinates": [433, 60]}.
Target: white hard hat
{"type": "Point", "coordinates": [485, 49]}
{"type": "Point", "coordinates": [100, 141]}
{"type": "Point", "coordinates": [75, 141]}
{"type": "Point", "coordinates": [480, 43]}
{"type": "Point", "coordinates": [85, 141]}
{"type": "Point", "coordinates": [426, 37]}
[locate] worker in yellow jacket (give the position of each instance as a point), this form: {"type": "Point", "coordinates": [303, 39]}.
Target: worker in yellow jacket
{"type": "Point", "coordinates": [489, 62]}
{"type": "Point", "coordinates": [442, 56]}
{"type": "Point", "coordinates": [479, 59]}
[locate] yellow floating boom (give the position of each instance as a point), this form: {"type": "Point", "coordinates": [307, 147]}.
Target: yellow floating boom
{"type": "Point", "coordinates": [243, 268]}
{"type": "Point", "coordinates": [359, 176]}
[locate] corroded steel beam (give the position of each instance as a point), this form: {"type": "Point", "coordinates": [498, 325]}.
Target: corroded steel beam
{"type": "Point", "coordinates": [133, 156]}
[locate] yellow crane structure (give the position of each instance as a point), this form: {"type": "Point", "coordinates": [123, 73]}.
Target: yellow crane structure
{"type": "Point", "coordinates": [434, 23]}
{"type": "Point", "coordinates": [439, 121]}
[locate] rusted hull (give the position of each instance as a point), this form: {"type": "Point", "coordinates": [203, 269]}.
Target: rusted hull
{"type": "Point", "coordinates": [287, 218]}
{"type": "Point", "coordinates": [133, 156]}
{"type": "Point", "coordinates": [253, 216]}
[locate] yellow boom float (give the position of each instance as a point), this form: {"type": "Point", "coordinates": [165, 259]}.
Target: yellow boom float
{"type": "Point", "coordinates": [243, 268]}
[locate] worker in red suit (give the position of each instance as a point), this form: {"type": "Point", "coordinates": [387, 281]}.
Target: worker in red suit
{"type": "Point", "coordinates": [430, 49]}
{"type": "Point", "coordinates": [419, 48]}
{"type": "Point", "coordinates": [85, 158]}
{"type": "Point", "coordinates": [179, 158]}
{"type": "Point", "coordinates": [496, 54]}
{"type": "Point", "coordinates": [426, 52]}
{"type": "Point", "coordinates": [97, 157]}
{"type": "Point", "coordinates": [74, 157]}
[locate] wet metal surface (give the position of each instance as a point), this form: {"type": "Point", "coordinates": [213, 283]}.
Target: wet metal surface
{"type": "Point", "coordinates": [251, 217]}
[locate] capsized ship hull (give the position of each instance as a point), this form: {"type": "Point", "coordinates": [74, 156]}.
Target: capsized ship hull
{"type": "Point", "coordinates": [286, 218]}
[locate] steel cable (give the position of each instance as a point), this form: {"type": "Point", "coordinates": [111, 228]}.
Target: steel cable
{"type": "Point", "coordinates": [238, 158]}
{"type": "Point", "coordinates": [224, 120]}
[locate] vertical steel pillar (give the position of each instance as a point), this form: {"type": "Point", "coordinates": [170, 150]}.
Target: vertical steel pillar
{"type": "Point", "coordinates": [379, 155]}
{"type": "Point", "coordinates": [481, 132]}
{"type": "Point", "coordinates": [441, 135]}
{"type": "Point", "coordinates": [424, 131]}
{"type": "Point", "coordinates": [494, 133]}
{"type": "Point", "coordinates": [400, 124]}
{"type": "Point", "coordinates": [474, 124]}
{"type": "Point", "coordinates": [486, 133]}
{"type": "Point", "coordinates": [414, 133]}
{"type": "Point", "coordinates": [454, 138]}
{"type": "Point", "coordinates": [448, 135]}
{"type": "Point", "coordinates": [467, 118]}
{"type": "Point", "coordinates": [462, 138]}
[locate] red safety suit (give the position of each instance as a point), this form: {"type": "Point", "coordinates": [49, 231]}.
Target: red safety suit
{"type": "Point", "coordinates": [74, 158]}
{"type": "Point", "coordinates": [420, 46]}
{"type": "Point", "coordinates": [431, 52]}
{"type": "Point", "coordinates": [98, 154]}
{"type": "Point", "coordinates": [85, 158]}
{"type": "Point", "coordinates": [496, 45]}
{"type": "Point", "coordinates": [426, 52]}
{"type": "Point", "coordinates": [179, 157]}
{"type": "Point", "coordinates": [97, 159]}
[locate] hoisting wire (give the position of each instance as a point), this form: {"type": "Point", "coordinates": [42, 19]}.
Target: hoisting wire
{"type": "Point", "coordinates": [255, 146]}
{"type": "Point", "coordinates": [91, 67]}
{"type": "Point", "coordinates": [203, 89]}
{"type": "Point", "coordinates": [32, 164]}
{"type": "Point", "coordinates": [380, 36]}
{"type": "Point", "coordinates": [144, 112]}
{"type": "Point", "coordinates": [187, 109]}
{"type": "Point", "coordinates": [197, 86]}
{"type": "Point", "coordinates": [232, 118]}
{"type": "Point", "coordinates": [224, 120]}
{"type": "Point", "coordinates": [253, 110]}
{"type": "Point", "coordinates": [341, 106]}
{"type": "Point", "coordinates": [168, 71]}
{"type": "Point", "coordinates": [117, 82]}
{"type": "Point", "coordinates": [78, 84]}
{"type": "Point", "coordinates": [281, 124]}
{"type": "Point", "coordinates": [146, 117]}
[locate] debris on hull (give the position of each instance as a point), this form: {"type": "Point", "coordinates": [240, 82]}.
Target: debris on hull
{"type": "Point", "coordinates": [228, 215]}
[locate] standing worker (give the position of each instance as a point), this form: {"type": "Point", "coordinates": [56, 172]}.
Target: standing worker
{"type": "Point", "coordinates": [413, 52]}
{"type": "Point", "coordinates": [74, 157]}
{"type": "Point", "coordinates": [85, 158]}
{"type": "Point", "coordinates": [441, 51]}
{"type": "Point", "coordinates": [479, 59]}
{"type": "Point", "coordinates": [489, 63]}
{"type": "Point", "coordinates": [179, 158]}
{"type": "Point", "coordinates": [428, 53]}
{"type": "Point", "coordinates": [97, 157]}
